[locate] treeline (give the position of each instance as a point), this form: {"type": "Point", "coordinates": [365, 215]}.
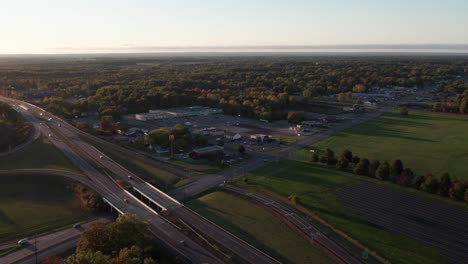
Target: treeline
{"type": "Point", "coordinates": [125, 241]}
{"type": "Point", "coordinates": [457, 105]}
{"type": "Point", "coordinates": [13, 129]}
{"type": "Point", "coordinates": [261, 87]}
{"type": "Point", "coordinates": [396, 173]}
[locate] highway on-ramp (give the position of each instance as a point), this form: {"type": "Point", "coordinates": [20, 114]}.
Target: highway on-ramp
{"type": "Point", "coordinates": [163, 230]}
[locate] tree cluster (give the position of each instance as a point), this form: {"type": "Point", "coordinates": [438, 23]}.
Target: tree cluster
{"type": "Point", "coordinates": [396, 173]}
{"type": "Point", "coordinates": [125, 241]}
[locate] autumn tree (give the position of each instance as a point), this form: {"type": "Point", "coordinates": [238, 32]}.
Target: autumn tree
{"type": "Point", "coordinates": [383, 171]}
{"type": "Point", "coordinates": [445, 185]}
{"type": "Point", "coordinates": [88, 257]}
{"type": "Point", "coordinates": [457, 191]}
{"type": "Point", "coordinates": [373, 166]}
{"type": "Point", "coordinates": [362, 167]}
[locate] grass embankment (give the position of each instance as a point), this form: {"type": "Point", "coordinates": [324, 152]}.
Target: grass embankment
{"type": "Point", "coordinates": [41, 154]}
{"type": "Point", "coordinates": [257, 226]}
{"type": "Point", "coordinates": [33, 204]}
{"type": "Point", "coordinates": [283, 138]}
{"type": "Point", "coordinates": [315, 188]}
{"type": "Point", "coordinates": [424, 141]}
{"type": "Point", "coordinates": [156, 176]}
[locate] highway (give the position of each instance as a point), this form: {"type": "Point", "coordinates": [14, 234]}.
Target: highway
{"type": "Point", "coordinates": [83, 154]}
{"type": "Point", "coordinates": [334, 250]}
{"type": "Point", "coordinates": [49, 244]}
{"type": "Point", "coordinates": [163, 230]}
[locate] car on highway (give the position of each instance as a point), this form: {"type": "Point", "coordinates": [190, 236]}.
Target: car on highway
{"type": "Point", "coordinates": [23, 242]}
{"type": "Point", "coordinates": [130, 177]}
{"type": "Point", "coordinates": [41, 114]}
{"type": "Point", "coordinates": [77, 225]}
{"type": "Point", "coordinates": [59, 125]}
{"type": "Point", "coordinates": [126, 200]}
{"type": "Point", "coordinates": [50, 118]}
{"type": "Point", "coordinates": [101, 157]}
{"type": "Point", "coordinates": [50, 135]}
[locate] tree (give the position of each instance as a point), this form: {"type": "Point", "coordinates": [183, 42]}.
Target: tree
{"type": "Point", "coordinates": [133, 255]}
{"type": "Point", "coordinates": [315, 157]}
{"type": "Point", "coordinates": [359, 88]}
{"type": "Point", "coordinates": [126, 231]}
{"type": "Point", "coordinates": [397, 168]}
{"type": "Point", "coordinates": [406, 177]}
{"type": "Point", "coordinates": [348, 155]}
{"type": "Point", "coordinates": [417, 181]}
{"type": "Point", "coordinates": [445, 185]}
{"type": "Point", "coordinates": [362, 168]}
{"type": "Point", "coordinates": [342, 164]}
{"type": "Point", "coordinates": [356, 159]}
{"type": "Point", "coordinates": [374, 165]}
{"type": "Point", "coordinates": [404, 111]}
{"type": "Point", "coordinates": [241, 149]}
{"type": "Point", "coordinates": [457, 191]}
{"type": "Point", "coordinates": [383, 171]}
{"type": "Point", "coordinates": [88, 257]}
{"type": "Point", "coordinates": [295, 117]}
{"type": "Point", "coordinates": [430, 183]}
{"type": "Point", "coordinates": [330, 155]}
{"type": "Point", "coordinates": [463, 108]}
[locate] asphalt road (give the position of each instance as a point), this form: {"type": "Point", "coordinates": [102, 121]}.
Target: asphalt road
{"type": "Point", "coordinates": [83, 155]}
{"type": "Point", "coordinates": [48, 245]}
{"type": "Point", "coordinates": [164, 231]}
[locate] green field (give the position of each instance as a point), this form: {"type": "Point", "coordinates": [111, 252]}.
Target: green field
{"type": "Point", "coordinates": [315, 188]}
{"type": "Point", "coordinates": [424, 141]}
{"type": "Point", "coordinates": [159, 177]}
{"type": "Point", "coordinates": [33, 204]}
{"type": "Point", "coordinates": [257, 226]}
{"type": "Point", "coordinates": [39, 155]}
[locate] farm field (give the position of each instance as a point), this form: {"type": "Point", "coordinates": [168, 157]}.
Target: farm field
{"type": "Point", "coordinates": [39, 155]}
{"type": "Point", "coordinates": [32, 204]}
{"type": "Point", "coordinates": [317, 189]}
{"type": "Point", "coordinates": [257, 226]}
{"type": "Point", "coordinates": [424, 141]}
{"type": "Point", "coordinates": [412, 216]}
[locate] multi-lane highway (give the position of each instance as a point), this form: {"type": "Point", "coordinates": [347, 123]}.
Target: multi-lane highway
{"type": "Point", "coordinates": [83, 155]}
{"type": "Point", "coordinates": [163, 230]}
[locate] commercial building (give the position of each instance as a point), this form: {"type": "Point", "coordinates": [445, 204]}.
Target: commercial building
{"type": "Point", "coordinates": [178, 112]}
{"type": "Point", "coordinates": [210, 152]}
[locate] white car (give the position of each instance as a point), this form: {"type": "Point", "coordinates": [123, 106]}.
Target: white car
{"type": "Point", "coordinates": [40, 114]}
{"type": "Point", "coordinates": [23, 242]}
{"type": "Point", "coordinates": [130, 177]}
{"type": "Point", "coordinates": [50, 135]}
{"type": "Point", "coordinates": [101, 157]}
{"type": "Point", "coordinates": [59, 125]}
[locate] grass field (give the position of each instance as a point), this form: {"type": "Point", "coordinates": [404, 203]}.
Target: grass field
{"type": "Point", "coordinates": [316, 189]}
{"type": "Point", "coordinates": [257, 226]}
{"type": "Point", "coordinates": [39, 155]}
{"type": "Point", "coordinates": [34, 204]}
{"type": "Point", "coordinates": [159, 177]}
{"type": "Point", "coordinates": [424, 141]}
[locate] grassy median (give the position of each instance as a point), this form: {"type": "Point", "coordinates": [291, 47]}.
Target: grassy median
{"type": "Point", "coordinates": [41, 154]}
{"type": "Point", "coordinates": [33, 204]}
{"type": "Point", "coordinates": [257, 226]}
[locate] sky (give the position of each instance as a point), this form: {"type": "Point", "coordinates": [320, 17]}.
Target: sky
{"type": "Point", "coordinates": [90, 26]}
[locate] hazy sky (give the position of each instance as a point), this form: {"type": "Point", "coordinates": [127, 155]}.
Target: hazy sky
{"type": "Point", "coordinates": [65, 26]}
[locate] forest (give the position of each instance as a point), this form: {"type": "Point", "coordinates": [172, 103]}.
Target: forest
{"type": "Point", "coordinates": [264, 87]}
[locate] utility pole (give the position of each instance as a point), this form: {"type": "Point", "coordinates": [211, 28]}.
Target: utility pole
{"type": "Point", "coordinates": [172, 139]}
{"type": "Point", "coordinates": [35, 247]}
